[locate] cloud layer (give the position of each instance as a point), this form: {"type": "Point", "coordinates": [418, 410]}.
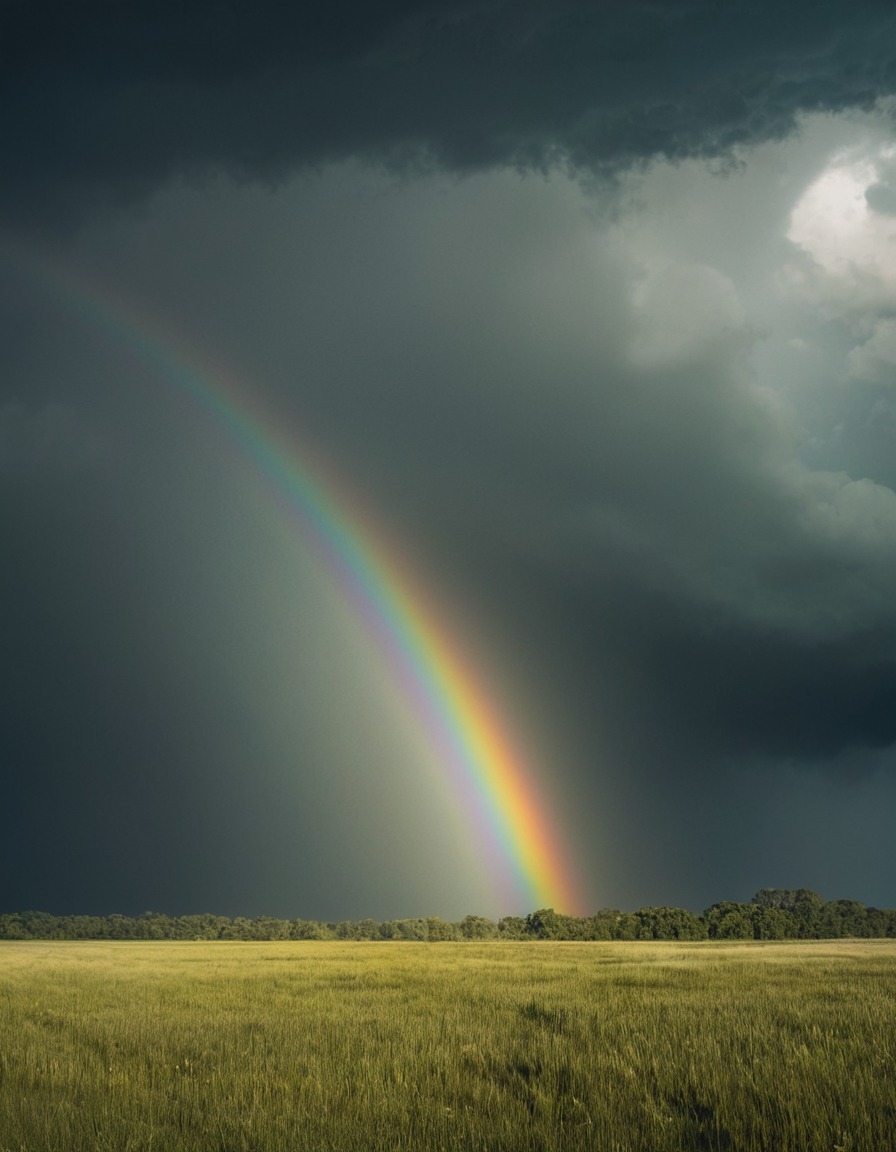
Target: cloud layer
{"type": "Point", "coordinates": [638, 432]}
{"type": "Point", "coordinates": [99, 105]}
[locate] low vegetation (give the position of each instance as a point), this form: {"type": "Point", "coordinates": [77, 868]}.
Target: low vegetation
{"type": "Point", "coordinates": [505, 1047]}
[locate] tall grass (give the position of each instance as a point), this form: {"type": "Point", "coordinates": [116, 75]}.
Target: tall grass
{"type": "Point", "coordinates": [220, 1047]}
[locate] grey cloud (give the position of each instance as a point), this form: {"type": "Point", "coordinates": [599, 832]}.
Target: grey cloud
{"type": "Point", "coordinates": [882, 198]}
{"type": "Point", "coordinates": [623, 452]}
{"type": "Point", "coordinates": [98, 105]}
{"type": "Point", "coordinates": [563, 421]}
{"type": "Point", "coordinates": [720, 687]}
{"type": "Point", "coordinates": [600, 444]}
{"type": "Point", "coordinates": [751, 595]}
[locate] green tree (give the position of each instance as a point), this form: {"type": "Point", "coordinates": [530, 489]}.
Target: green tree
{"type": "Point", "coordinates": [806, 907]}
{"type": "Point", "coordinates": [12, 928]}
{"type": "Point", "coordinates": [204, 926]}
{"type": "Point", "coordinates": [840, 918]}
{"type": "Point", "coordinates": [478, 928]}
{"type": "Point", "coordinates": [40, 925]}
{"type": "Point", "coordinates": [728, 921]}
{"type": "Point", "coordinates": [669, 924]}
{"type": "Point", "coordinates": [772, 923]}
{"type": "Point", "coordinates": [438, 929]}
{"type": "Point", "coordinates": [546, 924]}
{"type": "Point", "coordinates": [403, 930]}
{"type": "Point", "coordinates": [600, 926]}
{"type": "Point", "coordinates": [881, 922]}
{"type": "Point", "coordinates": [357, 930]}
{"type": "Point", "coordinates": [311, 930]}
{"type": "Point", "coordinates": [626, 926]}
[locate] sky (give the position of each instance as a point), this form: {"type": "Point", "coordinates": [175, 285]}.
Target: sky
{"type": "Point", "coordinates": [587, 311]}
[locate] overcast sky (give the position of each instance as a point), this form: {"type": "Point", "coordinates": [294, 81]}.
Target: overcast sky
{"type": "Point", "coordinates": [594, 302]}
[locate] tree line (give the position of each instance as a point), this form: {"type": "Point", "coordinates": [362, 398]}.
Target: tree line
{"type": "Point", "coordinates": [772, 914]}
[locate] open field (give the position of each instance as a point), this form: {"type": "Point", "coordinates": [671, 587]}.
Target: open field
{"type": "Point", "coordinates": [219, 1047]}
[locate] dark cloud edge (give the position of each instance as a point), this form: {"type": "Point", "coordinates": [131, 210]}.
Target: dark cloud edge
{"type": "Point", "coordinates": [100, 104]}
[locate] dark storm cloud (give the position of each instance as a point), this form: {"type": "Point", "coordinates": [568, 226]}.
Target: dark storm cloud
{"type": "Point", "coordinates": [721, 686]}
{"type": "Point", "coordinates": [102, 101]}
{"type": "Point", "coordinates": [571, 418]}
{"type": "Point", "coordinates": [623, 461]}
{"type": "Point", "coordinates": [595, 455]}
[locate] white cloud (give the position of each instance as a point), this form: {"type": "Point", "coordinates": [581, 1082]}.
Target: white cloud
{"type": "Point", "coordinates": [851, 245]}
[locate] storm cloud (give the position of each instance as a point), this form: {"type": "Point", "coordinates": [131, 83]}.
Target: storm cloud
{"type": "Point", "coordinates": [99, 105]}
{"type": "Point", "coordinates": [592, 302]}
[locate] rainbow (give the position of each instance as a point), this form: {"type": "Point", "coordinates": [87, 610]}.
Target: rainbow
{"type": "Point", "coordinates": [437, 679]}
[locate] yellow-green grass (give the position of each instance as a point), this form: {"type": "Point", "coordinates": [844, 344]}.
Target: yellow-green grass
{"type": "Point", "coordinates": [218, 1047]}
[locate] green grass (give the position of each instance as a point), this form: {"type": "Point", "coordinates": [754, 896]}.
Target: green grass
{"type": "Point", "coordinates": [220, 1047]}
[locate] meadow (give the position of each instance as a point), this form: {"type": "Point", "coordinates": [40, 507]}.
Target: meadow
{"type": "Point", "coordinates": [498, 1046]}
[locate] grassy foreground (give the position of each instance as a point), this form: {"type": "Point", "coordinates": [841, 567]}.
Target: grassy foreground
{"type": "Point", "coordinates": [219, 1047]}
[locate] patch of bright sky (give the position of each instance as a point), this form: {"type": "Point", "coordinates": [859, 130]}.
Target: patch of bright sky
{"type": "Point", "coordinates": [835, 223]}
{"type": "Point", "coordinates": [795, 244]}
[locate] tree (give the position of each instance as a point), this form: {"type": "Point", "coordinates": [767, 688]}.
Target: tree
{"type": "Point", "coordinates": [772, 923]}
{"type": "Point", "coordinates": [438, 929]}
{"type": "Point", "coordinates": [728, 921]}
{"type": "Point", "coordinates": [844, 918]}
{"type": "Point", "coordinates": [357, 930]}
{"type": "Point", "coordinates": [546, 924]}
{"type": "Point", "coordinates": [881, 922]}
{"type": "Point", "coordinates": [669, 924]}
{"type": "Point", "coordinates": [626, 926]}
{"type": "Point", "coordinates": [805, 906]}
{"type": "Point", "coordinates": [600, 926]}
{"type": "Point", "coordinates": [478, 928]}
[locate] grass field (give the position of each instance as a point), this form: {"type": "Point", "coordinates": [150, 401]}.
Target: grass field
{"type": "Point", "coordinates": [219, 1047]}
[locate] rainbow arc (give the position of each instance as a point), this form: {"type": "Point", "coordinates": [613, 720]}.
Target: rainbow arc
{"type": "Point", "coordinates": [438, 680]}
